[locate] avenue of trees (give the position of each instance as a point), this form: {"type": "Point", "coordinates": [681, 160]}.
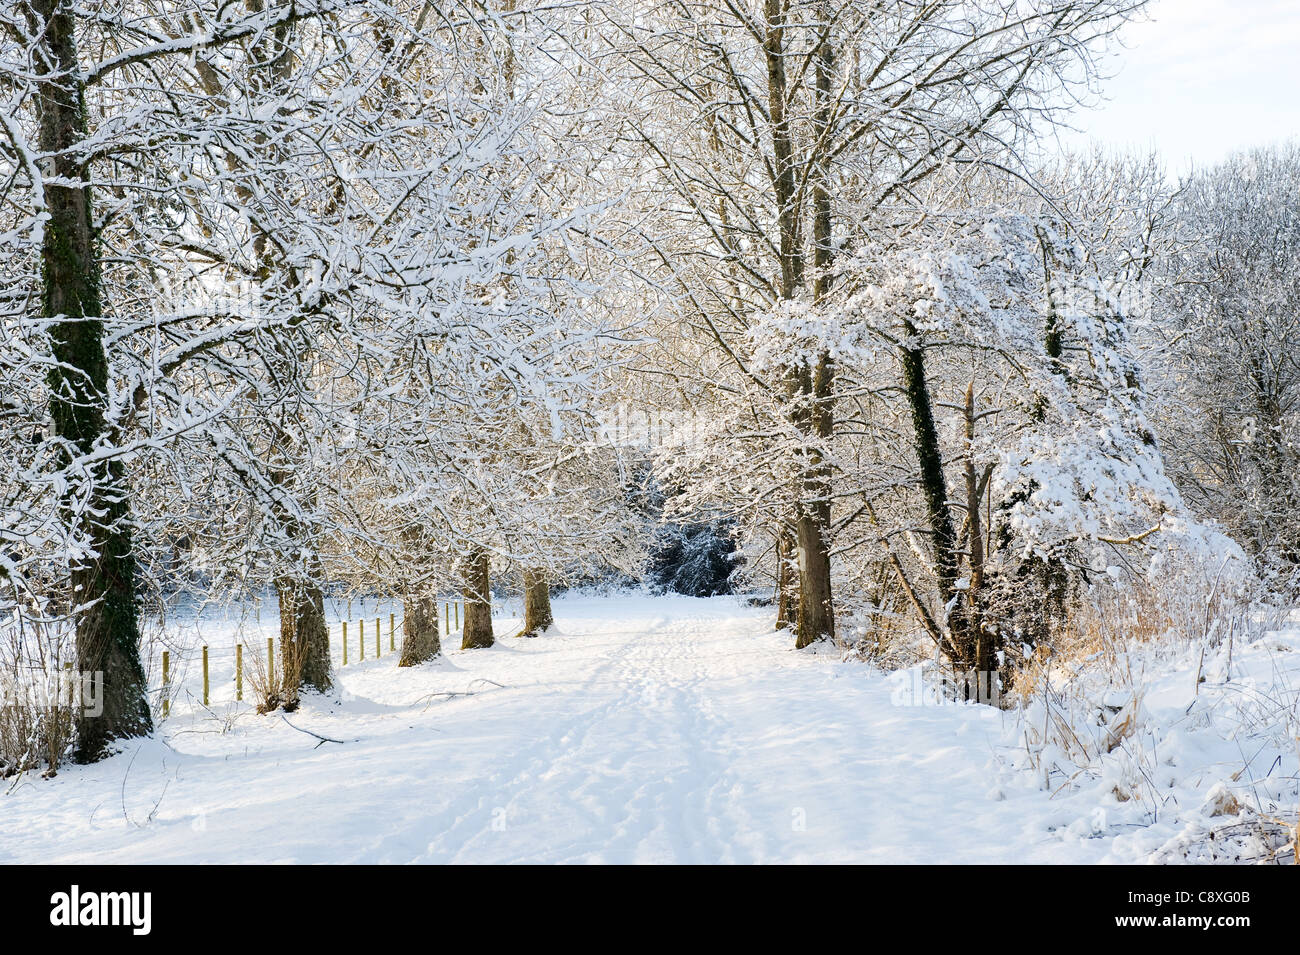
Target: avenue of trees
{"type": "Point", "coordinates": [301, 295]}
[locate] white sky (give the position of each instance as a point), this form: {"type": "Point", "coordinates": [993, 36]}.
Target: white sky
{"type": "Point", "coordinates": [1199, 79]}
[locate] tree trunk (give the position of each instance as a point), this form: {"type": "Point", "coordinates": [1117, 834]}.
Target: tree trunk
{"type": "Point", "coordinates": [537, 604]}
{"type": "Point", "coordinates": [107, 624]}
{"type": "Point", "coordinates": [785, 184]}
{"type": "Point", "coordinates": [984, 642]}
{"type": "Point", "coordinates": [304, 641]}
{"type": "Point", "coordinates": [787, 580]}
{"type": "Point", "coordinates": [811, 416]}
{"type": "Point", "coordinates": [813, 525]}
{"type": "Point", "coordinates": [816, 609]}
{"type": "Point", "coordinates": [808, 389]}
{"type": "Point", "coordinates": [934, 487]}
{"type": "Point", "coordinates": [478, 603]}
{"type": "Point", "coordinates": [421, 641]}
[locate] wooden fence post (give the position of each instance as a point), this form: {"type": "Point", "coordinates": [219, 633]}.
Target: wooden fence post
{"type": "Point", "coordinates": [379, 633]}
{"type": "Point", "coordinates": [270, 663]}
{"type": "Point", "coordinates": [345, 643]}
{"type": "Point", "coordinates": [392, 635]}
{"type": "Point", "coordinates": [205, 674]}
{"type": "Point", "coordinates": [361, 639]}
{"type": "Point", "coordinates": [239, 671]}
{"type": "Point", "coordinates": [167, 680]}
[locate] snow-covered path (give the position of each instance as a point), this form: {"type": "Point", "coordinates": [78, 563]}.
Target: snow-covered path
{"type": "Point", "coordinates": [649, 730]}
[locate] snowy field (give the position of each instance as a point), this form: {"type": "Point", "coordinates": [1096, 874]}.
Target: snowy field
{"type": "Point", "coordinates": [660, 729]}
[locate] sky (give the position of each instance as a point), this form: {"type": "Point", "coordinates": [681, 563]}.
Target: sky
{"type": "Point", "coordinates": [1198, 79]}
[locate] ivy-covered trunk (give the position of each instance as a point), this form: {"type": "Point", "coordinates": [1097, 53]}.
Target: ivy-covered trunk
{"type": "Point", "coordinates": [478, 603]}
{"type": "Point", "coordinates": [103, 583]}
{"type": "Point", "coordinates": [934, 488]}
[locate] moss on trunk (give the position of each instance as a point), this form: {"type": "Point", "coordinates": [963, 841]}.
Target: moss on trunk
{"type": "Point", "coordinates": [103, 584]}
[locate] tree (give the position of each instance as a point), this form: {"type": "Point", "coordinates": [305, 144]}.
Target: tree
{"type": "Point", "coordinates": [48, 126]}
{"type": "Point", "coordinates": [102, 582]}
{"type": "Point", "coordinates": [797, 130]}
{"type": "Point", "coordinates": [267, 311]}
{"type": "Point", "coordinates": [1004, 328]}
{"type": "Point", "coordinates": [1223, 347]}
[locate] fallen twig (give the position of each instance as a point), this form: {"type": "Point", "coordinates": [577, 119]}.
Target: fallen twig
{"type": "Point", "coordinates": [323, 739]}
{"type": "Point", "coordinates": [448, 694]}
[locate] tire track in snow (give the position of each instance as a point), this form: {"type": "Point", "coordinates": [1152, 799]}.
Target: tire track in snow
{"type": "Point", "coordinates": [546, 794]}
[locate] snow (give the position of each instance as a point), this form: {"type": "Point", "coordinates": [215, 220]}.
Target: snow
{"type": "Point", "coordinates": [649, 729]}
{"type": "Point", "coordinates": [1199, 771]}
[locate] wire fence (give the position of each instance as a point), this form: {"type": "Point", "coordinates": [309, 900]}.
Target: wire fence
{"type": "Point", "coordinates": [226, 668]}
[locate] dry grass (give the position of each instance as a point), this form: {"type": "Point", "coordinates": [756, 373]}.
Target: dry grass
{"type": "Point", "coordinates": [276, 683]}
{"type": "Point", "coordinates": [1192, 604]}
{"type": "Point", "coordinates": [1082, 698]}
